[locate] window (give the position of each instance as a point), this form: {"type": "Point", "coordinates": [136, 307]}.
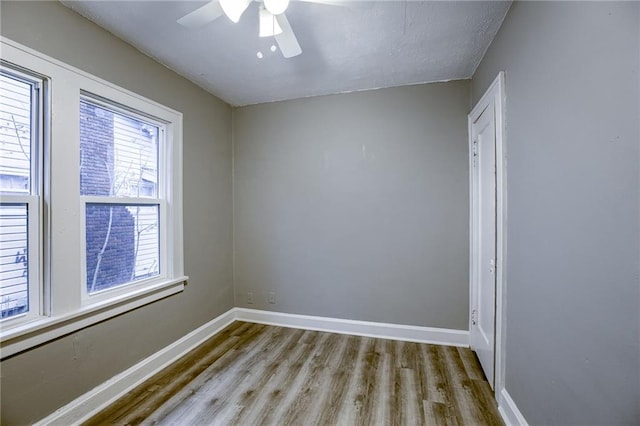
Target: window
{"type": "Point", "coordinates": [120, 191]}
{"type": "Point", "coordinates": [20, 187]}
{"type": "Point", "coordinates": [90, 199]}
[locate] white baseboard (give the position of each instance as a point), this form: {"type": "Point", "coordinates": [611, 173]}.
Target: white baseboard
{"type": "Point", "coordinates": [83, 407]}
{"type": "Point", "coordinates": [89, 404]}
{"type": "Point", "coordinates": [409, 333]}
{"type": "Point", "coordinates": [509, 411]}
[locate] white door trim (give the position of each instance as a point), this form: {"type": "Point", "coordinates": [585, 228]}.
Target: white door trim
{"type": "Point", "coordinates": [495, 93]}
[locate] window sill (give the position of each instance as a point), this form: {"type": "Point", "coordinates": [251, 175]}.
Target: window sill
{"type": "Point", "coordinates": [34, 333]}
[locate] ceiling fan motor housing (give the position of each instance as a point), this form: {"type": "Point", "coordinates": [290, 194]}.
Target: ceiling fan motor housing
{"type": "Point", "coordinates": [276, 7]}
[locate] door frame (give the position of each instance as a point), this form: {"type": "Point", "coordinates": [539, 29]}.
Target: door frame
{"type": "Point", "coordinates": [496, 94]}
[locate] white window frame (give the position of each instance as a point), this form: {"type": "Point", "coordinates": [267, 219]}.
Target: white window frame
{"type": "Point", "coordinates": [164, 165]}
{"type": "Point", "coordinates": [33, 200]}
{"type": "Point", "coordinates": [66, 306]}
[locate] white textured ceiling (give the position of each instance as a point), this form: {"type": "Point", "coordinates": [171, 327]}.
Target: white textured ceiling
{"type": "Point", "coordinates": [364, 46]}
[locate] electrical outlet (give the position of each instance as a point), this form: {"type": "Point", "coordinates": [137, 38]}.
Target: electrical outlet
{"type": "Point", "coordinates": [271, 298]}
{"type": "Point", "coordinates": [250, 298]}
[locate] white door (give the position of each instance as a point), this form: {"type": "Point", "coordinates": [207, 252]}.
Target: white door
{"type": "Point", "coordinates": [483, 262]}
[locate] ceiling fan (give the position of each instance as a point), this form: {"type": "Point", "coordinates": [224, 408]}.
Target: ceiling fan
{"type": "Point", "coordinates": [273, 21]}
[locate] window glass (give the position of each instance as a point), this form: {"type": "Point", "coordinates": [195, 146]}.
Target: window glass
{"type": "Point", "coordinates": [15, 134]}
{"type": "Point", "coordinates": [118, 154]}
{"type": "Point", "coordinates": [14, 260]}
{"type": "Point", "coordinates": [123, 244]}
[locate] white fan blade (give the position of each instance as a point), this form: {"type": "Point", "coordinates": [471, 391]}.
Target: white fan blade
{"type": "Point", "coordinates": [287, 40]}
{"type": "Point", "coordinates": [202, 15]}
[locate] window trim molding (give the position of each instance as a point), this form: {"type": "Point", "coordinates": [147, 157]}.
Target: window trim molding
{"type": "Point", "coordinates": [64, 309]}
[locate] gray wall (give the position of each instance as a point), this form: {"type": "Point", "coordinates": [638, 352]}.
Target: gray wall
{"type": "Point", "coordinates": [39, 381]}
{"type": "Point", "coordinates": [573, 349]}
{"type": "Point", "coordinates": [356, 205]}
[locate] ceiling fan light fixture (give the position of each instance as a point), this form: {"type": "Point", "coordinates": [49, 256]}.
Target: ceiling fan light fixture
{"type": "Point", "coordinates": [269, 27]}
{"type": "Point", "coordinates": [276, 7]}
{"type": "Point", "coordinates": [234, 8]}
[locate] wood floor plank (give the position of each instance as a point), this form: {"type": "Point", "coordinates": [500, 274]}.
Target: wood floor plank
{"type": "Point", "coordinates": [301, 409]}
{"type": "Point", "coordinates": [394, 389]}
{"type": "Point", "coordinates": [367, 384]}
{"type": "Point", "coordinates": [275, 365]}
{"type": "Point", "coordinates": [483, 398]}
{"type": "Point", "coordinates": [252, 374]}
{"type": "Point", "coordinates": [383, 406]}
{"type": "Point", "coordinates": [410, 412]}
{"type": "Point", "coordinates": [455, 372]}
{"type": "Point", "coordinates": [435, 385]}
{"type": "Point", "coordinates": [438, 414]}
{"type": "Point", "coordinates": [271, 398]}
{"type": "Point", "coordinates": [297, 387]}
{"type": "Point", "coordinates": [471, 364]}
{"type": "Point", "coordinates": [339, 386]}
{"type": "Point", "coordinates": [471, 406]}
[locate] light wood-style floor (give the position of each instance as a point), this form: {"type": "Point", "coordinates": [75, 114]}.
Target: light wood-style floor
{"type": "Point", "coordinates": [253, 374]}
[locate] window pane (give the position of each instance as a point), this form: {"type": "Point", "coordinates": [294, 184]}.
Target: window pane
{"type": "Point", "coordinates": [123, 244]}
{"type": "Point", "coordinates": [118, 154]}
{"type": "Point", "coordinates": [14, 271]}
{"type": "Point", "coordinates": [15, 134]}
